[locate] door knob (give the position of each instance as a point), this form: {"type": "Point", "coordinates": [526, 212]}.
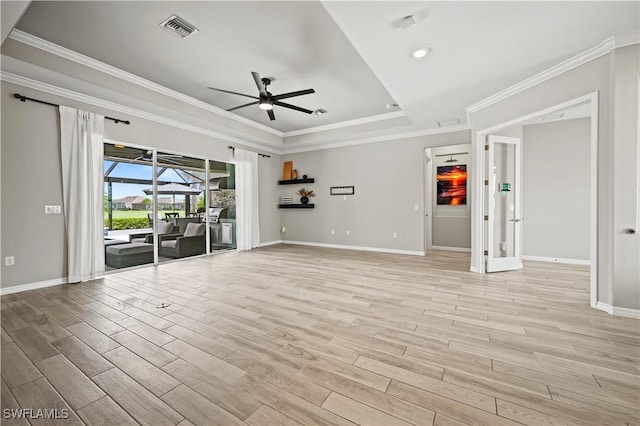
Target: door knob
{"type": "Point", "coordinates": [630, 231]}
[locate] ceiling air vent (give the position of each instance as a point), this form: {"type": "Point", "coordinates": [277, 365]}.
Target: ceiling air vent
{"type": "Point", "coordinates": [178, 26]}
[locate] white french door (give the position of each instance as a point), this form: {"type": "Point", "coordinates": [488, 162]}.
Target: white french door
{"type": "Point", "coordinates": [503, 200]}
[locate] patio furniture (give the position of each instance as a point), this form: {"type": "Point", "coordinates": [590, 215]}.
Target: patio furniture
{"type": "Point", "coordinates": [190, 243]}
{"type": "Point", "coordinates": [150, 217]}
{"type": "Point", "coordinates": [108, 242]}
{"type": "Point", "coordinates": [169, 216]}
{"type": "Point", "coordinates": [129, 254]}
{"type": "Point", "coordinates": [147, 237]}
{"type": "Point", "coordinates": [182, 222]}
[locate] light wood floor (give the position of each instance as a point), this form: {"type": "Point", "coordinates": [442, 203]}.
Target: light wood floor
{"type": "Point", "coordinates": [289, 335]}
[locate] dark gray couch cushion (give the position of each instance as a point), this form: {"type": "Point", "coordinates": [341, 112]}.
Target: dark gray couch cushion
{"type": "Point", "coordinates": [131, 248]}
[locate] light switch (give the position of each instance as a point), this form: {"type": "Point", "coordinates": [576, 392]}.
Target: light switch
{"type": "Point", "coordinates": [52, 209]}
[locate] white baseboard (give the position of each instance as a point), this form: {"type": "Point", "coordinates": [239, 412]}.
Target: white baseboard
{"type": "Point", "coordinates": [619, 312]}
{"type": "Point", "coordinates": [362, 248]}
{"type": "Point", "coordinates": [32, 286]}
{"type": "Point", "coordinates": [462, 249]}
{"type": "Point", "coordinates": [557, 260]}
{"type": "Point", "coordinates": [269, 243]}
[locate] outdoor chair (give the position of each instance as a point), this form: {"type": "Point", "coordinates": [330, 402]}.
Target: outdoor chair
{"type": "Point", "coordinates": [150, 216]}
{"type": "Point", "coordinates": [190, 243]}
{"type": "Point", "coordinates": [163, 228]}
{"type": "Point", "coordinates": [169, 216]}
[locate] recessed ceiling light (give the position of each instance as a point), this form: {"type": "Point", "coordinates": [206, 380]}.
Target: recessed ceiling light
{"type": "Point", "coordinates": [320, 111]}
{"type": "Point", "coordinates": [420, 53]}
{"type": "Point", "coordinates": [391, 106]}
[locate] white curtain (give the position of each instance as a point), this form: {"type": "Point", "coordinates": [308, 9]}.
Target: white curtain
{"type": "Point", "coordinates": [247, 231]}
{"type": "Point", "coordinates": [82, 189]}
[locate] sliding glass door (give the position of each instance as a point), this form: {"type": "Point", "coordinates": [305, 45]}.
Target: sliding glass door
{"type": "Point", "coordinates": [127, 207]}
{"type": "Point", "coordinates": [180, 219]}
{"type": "Point", "coordinates": [181, 184]}
{"type": "Point", "coordinates": [222, 206]}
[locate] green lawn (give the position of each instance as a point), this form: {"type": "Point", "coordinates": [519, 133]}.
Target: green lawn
{"type": "Point", "coordinates": [120, 214]}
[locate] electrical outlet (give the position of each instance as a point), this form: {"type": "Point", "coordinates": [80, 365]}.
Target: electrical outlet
{"type": "Point", "coordinates": [348, 232]}
{"type": "Point", "coordinates": [416, 207]}
{"type": "Point", "coordinates": [333, 232]}
{"type": "Point", "coordinates": [344, 197]}
{"type": "Point", "coordinates": [284, 229]}
{"type": "Point", "coordinates": [9, 261]}
{"type": "Point", "coordinates": [395, 235]}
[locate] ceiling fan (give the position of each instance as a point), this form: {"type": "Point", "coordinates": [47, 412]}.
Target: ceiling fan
{"type": "Point", "coordinates": [147, 155]}
{"type": "Point", "coordinates": [266, 100]}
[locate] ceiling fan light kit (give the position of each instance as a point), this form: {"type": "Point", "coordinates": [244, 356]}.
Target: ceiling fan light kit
{"type": "Point", "coordinates": [266, 100]}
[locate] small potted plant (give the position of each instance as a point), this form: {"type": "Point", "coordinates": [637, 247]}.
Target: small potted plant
{"type": "Point", "coordinates": [305, 194]}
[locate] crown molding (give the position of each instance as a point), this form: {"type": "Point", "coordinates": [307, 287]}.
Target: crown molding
{"type": "Point", "coordinates": [72, 55]}
{"type": "Point", "coordinates": [588, 55]}
{"type": "Point", "coordinates": [101, 103]}
{"type": "Point", "coordinates": [81, 59]}
{"type": "Point", "coordinates": [374, 139]}
{"type": "Point", "coordinates": [348, 123]}
{"type": "Point", "coordinates": [627, 39]}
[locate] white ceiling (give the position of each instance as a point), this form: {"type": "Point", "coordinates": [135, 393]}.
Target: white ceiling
{"type": "Point", "coordinates": [296, 42]}
{"type": "Point", "coordinates": [351, 53]}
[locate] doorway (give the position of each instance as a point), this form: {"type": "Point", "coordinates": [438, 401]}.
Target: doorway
{"type": "Point", "coordinates": [446, 194]}
{"type": "Point", "coordinates": [482, 235]}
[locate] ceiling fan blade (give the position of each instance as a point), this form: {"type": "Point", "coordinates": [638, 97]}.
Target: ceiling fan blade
{"type": "Point", "coordinates": [272, 116]}
{"type": "Point", "coordinates": [292, 94]}
{"type": "Point", "coordinates": [242, 106]}
{"type": "Point", "coordinates": [258, 80]}
{"type": "Point", "coordinates": [233, 93]}
{"type": "Point", "coordinates": [297, 108]}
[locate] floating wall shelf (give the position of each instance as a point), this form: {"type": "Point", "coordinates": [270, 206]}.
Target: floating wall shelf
{"type": "Point", "coordinates": [295, 181]}
{"type": "Point", "coordinates": [296, 206]}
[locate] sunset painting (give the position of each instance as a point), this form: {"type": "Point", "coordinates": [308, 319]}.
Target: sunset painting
{"type": "Point", "coordinates": [452, 185]}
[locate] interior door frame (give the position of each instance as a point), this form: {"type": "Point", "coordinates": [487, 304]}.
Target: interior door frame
{"type": "Point", "coordinates": [428, 197]}
{"type": "Point", "coordinates": [479, 203]}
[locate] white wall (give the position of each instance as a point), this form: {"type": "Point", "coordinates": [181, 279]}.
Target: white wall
{"type": "Point", "coordinates": [614, 77]}
{"type": "Point", "coordinates": [389, 183]}
{"type": "Point", "coordinates": [626, 193]}
{"type": "Point", "coordinates": [451, 224]}
{"type": "Point", "coordinates": [31, 178]}
{"type": "Point", "coordinates": [556, 190]}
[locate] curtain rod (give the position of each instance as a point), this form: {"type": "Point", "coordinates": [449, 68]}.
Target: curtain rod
{"type": "Point", "coordinates": [261, 155]}
{"type": "Point", "coordinates": [25, 98]}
